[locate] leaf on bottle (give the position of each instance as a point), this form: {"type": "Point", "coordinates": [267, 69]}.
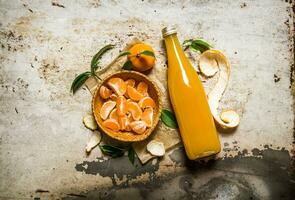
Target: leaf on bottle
{"type": "Point", "coordinates": [168, 118]}
{"type": "Point", "coordinates": [147, 53]}
{"type": "Point", "coordinates": [98, 55]}
{"type": "Point", "coordinates": [131, 155]}
{"type": "Point", "coordinates": [127, 65]}
{"type": "Point", "coordinates": [79, 81]}
{"type": "Point", "coordinates": [112, 151]}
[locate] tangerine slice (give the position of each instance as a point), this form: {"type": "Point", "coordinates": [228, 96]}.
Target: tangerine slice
{"type": "Point", "coordinates": [113, 97]}
{"type": "Point", "coordinates": [106, 108]}
{"type": "Point", "coordinates": [135, 110]}
{"type": "Point", "coordinates": [121, 106]}
{"type": "Point", "coordinates": [134, 94]}
{"type": "Point", "coordinates": [142, 88]}
{"type": "Point", "coordinates": [117, 85]}
{"type": "Point", "coordinates": [111, 124]}
{"type": "Point", "coordinates": [130, 119]}
{"type": "Point", "coordinates": [138, 126]}
{"type": "Point", "coordinates": [147, 116]}
{"type": "Point", "coordinates": [104, 92]}
{"type": "Point", "coordinates": [146, 102]}
{"type": "Point", "coordinates": [123, 121]}
{"type": "Point", "coordinates": [113, 115]}
{"type": "Point", "coordinates": [129, 100]}
{"type": "Point", "coordinates": [130, 82]}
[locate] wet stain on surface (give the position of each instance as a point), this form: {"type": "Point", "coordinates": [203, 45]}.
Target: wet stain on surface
{"type": "Point", "coordinates": [118, 167]}
{"type": "Point", "coordinates": [228, 178]}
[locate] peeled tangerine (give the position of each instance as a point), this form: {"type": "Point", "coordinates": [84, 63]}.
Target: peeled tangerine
{"type": "Point", "coordinates": [111, 124]}
{"type": "Point", "coordinates": [138, 127]}
{"type": "Point", "coordinates": [104, 92]}
{"type": "Point", "coordinates": [142, 88]}
{"type": "Point", "coordinates": [113, 97]}
{"type": "Point", "coordinates": [156, 148]}
{"type": "Point", "coordinates": [121, 106]}
{"type": "Point", "coordinates": [106, 108]}
{"type": "Point", "coordinates": [117, 85]}
{"type": "Point", "coordinates": [135, 110]}
{"type": "Point", "coordinates": [146, 102]}
{"type": "Point", "coordinates": [130, 82]}
{"type": "Point", "coordinates": [126, 107]}
{"type": "Point", "coordinates": [114, 115]}
{"type": "Point", "coordinates": [134, 94]}
{"type": "Point", "coordinates": [124, 122]}
{"type": "Point", "coordinates": [147, 116]}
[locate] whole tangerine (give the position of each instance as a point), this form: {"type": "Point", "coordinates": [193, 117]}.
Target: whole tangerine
{"type": "Point", "coordinates": [140, 61]}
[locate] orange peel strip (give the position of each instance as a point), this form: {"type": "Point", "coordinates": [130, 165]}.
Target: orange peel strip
{"type": "Point", "coordinates": [210, 63]}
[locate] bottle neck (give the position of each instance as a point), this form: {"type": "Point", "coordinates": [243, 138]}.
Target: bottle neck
{"type": "Point", "coordinates": [172, 41]}
{"type": "Point", "coordinates": [174, 50]}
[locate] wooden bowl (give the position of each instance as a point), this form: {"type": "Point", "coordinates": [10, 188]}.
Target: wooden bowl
{"type": "Point", "coordinates": [154, 93]}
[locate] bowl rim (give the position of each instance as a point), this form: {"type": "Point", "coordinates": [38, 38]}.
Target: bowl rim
{"type": "Point", "coordinates": [157, 119]}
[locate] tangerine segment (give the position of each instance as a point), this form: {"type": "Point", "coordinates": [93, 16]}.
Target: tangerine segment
{"type": "Point", "coordinates": [138, 127]}
{"type": "Point", "coordinates": [123, 121]}
{"type": "Point", "coordinates": [121, 106]}
{"type": "Point", "coordinates": [142, 88]}
{"type": "Point", "coordinates": [130, 82]}
{"type": "Point", "coordinates": [130, 119]}
{"type": "Point", "coordinates": [135, 110]}
{"type": "Point", "coordinates": [117, 85]}
{"type": "Point", "coordinates": [134, 94]}
{"type": "Point", "coordinates": [113, 97]}
{"type": "Point", "coordinates": [141, 62]}
{"type": "Point", "coordinates": [146, 102]}
{"type": "Point", "coordinates": [106, 108]}
{"type": "Point", "coordinates": [113, 115]}
{"type": "Point", "coordinates": [104, 92]}
{"type": "Point", "coordinates": [147, 116]}
{"type": "Point", "coordinates": [111, 124]}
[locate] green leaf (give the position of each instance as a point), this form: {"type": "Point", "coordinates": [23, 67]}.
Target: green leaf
{"type": "Point", "coordinates": [202, 43]}
{"type": "Point", "coordinates": [79, 81]}
{"type": "Point", "coordinates": [124, 53]}
{"type": "Point", "coordinates": [131, 155]}
{"type": "Point", "coordinates": [147, 53]}
{"type": "Point", "coordinates": [94, 68]}
{"type": "Point", "coordinates": [127, 65]}
{"type": "Point", "coordinates": [194, 49]}
{"type": "Point", "coordinates": [196, 45]}
{"type": "Point", "coordinates": [98, 55]}
{"type": "Point", "coordinates": [112, 151]}
{"type": "Point", "coordinates": [169, 119]}
{"type": "Point", "coordinates": [187, 42]}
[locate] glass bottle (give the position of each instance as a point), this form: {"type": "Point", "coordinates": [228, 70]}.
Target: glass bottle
{"type": "Point", "coordinates": [189, 101]}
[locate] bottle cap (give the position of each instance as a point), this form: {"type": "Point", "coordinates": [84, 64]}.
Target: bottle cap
{"type": "Point", "coordinates": [169, 30]}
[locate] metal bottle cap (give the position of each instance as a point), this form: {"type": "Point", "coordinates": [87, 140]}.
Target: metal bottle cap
{"type": "Point", "coordinates": [169, 30]}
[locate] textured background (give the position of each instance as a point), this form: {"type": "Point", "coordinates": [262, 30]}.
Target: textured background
{"type": "Point", "coordinates": [44, 44]}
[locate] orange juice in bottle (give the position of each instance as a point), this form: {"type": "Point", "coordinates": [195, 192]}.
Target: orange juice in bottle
{"type": "Point", "coordinates": [189, 102]}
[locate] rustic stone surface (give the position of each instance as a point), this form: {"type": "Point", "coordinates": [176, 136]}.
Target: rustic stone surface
{"type": "Point", "coordinates": [44, 45]}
